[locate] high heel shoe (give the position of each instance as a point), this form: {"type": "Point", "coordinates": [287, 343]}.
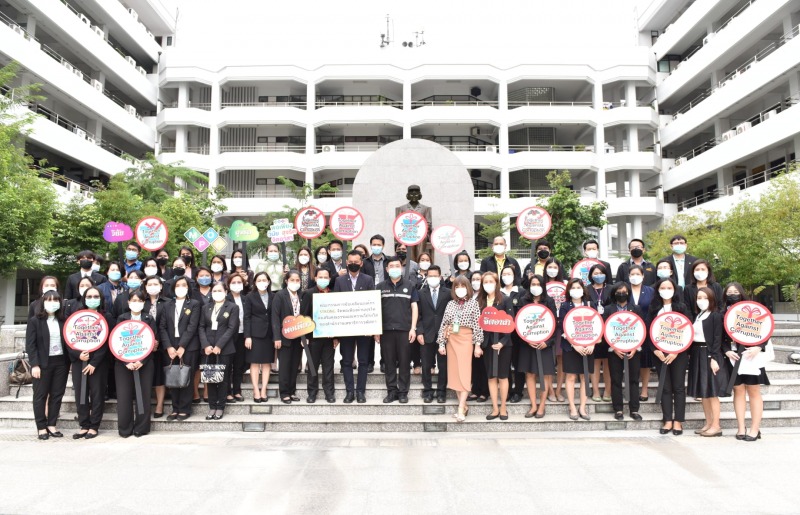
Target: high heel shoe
{"type": "Point", "coordinates": [55, 434]}
{"type": "Point", "coordinates": [460, 415]}
{"type": "Point", "coordinates": [740, 436]}
{"type": "Point", "coordinates": [44, 436]}
{"type": "Point", "coordinates": [748, 438]}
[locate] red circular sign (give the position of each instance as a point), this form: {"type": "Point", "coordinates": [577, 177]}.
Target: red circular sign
{"type": "Point", "coordinates": [410, 228]}
{"type": "Point", "coordinates": [535, 323]}
{"type": "Point", "coordinates": [625, 331]}
{"type": "Point", "coordinates": [85, 330]}
{"type": "Point", "coordinates": [557, 291]}
{"type": "Point", "coordinates": [151, 233]}
{"type": "Point", "coordinates": [749, 323]}
{"type": "Point", "coordinates": [132, 341]}
{"type": "Point", "coordinates": [347, 223]}
{"type": "Point", "coordinates": [309, 222]}
{"type": "Point", "coordinates": [447, 239]}
{"type": "Point", "coordinates": [581, 270]}
{"type": "Point", "coordinates": [534, 222]}
{"type": "Point", "coordinates": [583, 326]}
{"type": "Point", "coordinates": [672, 332]}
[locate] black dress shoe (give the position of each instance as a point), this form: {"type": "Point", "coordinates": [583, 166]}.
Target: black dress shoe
{"type": "Point", "coordinates": [124, 436]}
{"type": "Point", "coordinates": [427, 399]}
{"type": "Point", "coordinates": [295, 398]}
{"type": "Point", "coordinates": [172, 416]}
{"type": "Point", "coordinates": [210, 416]}
{"type": "Point", "coordinates": [331, 399]}
{"type": "Point", "coordinates": [492, 417]}
{"type": "Point", "coordinates": [349, 398]}
{"type": "Point", "coordinates": [158, 415]}
{"type": "Point", "coordinates": [643, 398]}
{"type": "Point", "coordinates": [78, 436]}
{"type": "Point", "coordinates": [219, 417]}
{"type": "Point", "coordinates": [403, 398]}
{"type": "Point", "coordinates": [389, 398]}
{"type": "Point", "coordinates": [181, 418]}
{"type": "Point", "coordinates": [636, 416]}
{"type": "Point", "coordinates": [441, 399]}
{"type": "Point", "coordinates": [664, 431]}
{"type": "Point", "coordinates": [287, 400]}
{"type": "Point", "coordinates": [361, 398]}
{"type": "Point", "coordinates": [311, 399]}
{"type": "Point", "coordinates": [383, 368]}
{"type": "Point", "coordinates": [618, 415]}
{"type": "Point", "coordinates": [503, 417]}
{"type": "Point", "coordinates": [515, 398]}
{"type": "Point", "coordinates": [197, 400]}
{"type": "Point", "coordinates": [44, 436]}
{"type": "Point", "coordinates": [740, 437]}
{"type": "Point", "coordinates": [257, 400]}
{"type": "Point", "coordinates": [238, 397]}
{"type": "Point", "coordinates": [677, 432]}
{"type": "Point", "coordinates": [748, 438]}
{"type": "Point", "coordinates": [89, 436]}
{"type": "Point", "coordinates": [55, 434]}
{"type": "Point", "coordinates": [138, 435]}
{"type": "Point", "coordinates": [371, 368]}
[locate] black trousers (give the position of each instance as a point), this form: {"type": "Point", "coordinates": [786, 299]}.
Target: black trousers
{"type": "Point", "coordinates": [290, 356]}
{"type": "Point", "coordinates": [396, 353]}
{"type": "Point", "coordinates": [371, 352]}
{"type": "Point", "coordinates": [322, 353]}
{"type": "Point", "coordinates": [673, 397]}
{"type": "Point", "coordinates": [415, 354]}
{"type": "Point", "coordinates": [480, 380]}
{"type": "Point", "coordinates": [348, 346]}
{"type": "Point", "coordinates": [129, 420]}
{"type": "Point", "coordinates": [182, 397]}
{"type": "Point", "coordinates": [516, 379]}
{"type": "Point", "coordinates": [111, 384]}
{"type": "Point", "coordinates": [90, 414]}
{"type": "Point", "coordinates": [616, 366]}
{"type": "Point", "coordinates": [217, 392]}
{"type": "Point", "coordinates": [236, 372]}
{"type": "Point", "coordinates": [430, 356]}
{"type": "Point", "coordinates": [48, 391]}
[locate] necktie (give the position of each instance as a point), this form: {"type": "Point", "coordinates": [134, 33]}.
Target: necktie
{"type": "Point", "coordinates": [435, 296]}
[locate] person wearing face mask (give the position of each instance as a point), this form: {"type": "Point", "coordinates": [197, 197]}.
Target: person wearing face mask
{"type": "Point", "coordinates": [94, 366]}
{"type": "Point", "coordinates": [273, 266]}
{"type": "Point", "coordinates": [114, 285]}
{"type": "Point", "coordinates": [377, 258]}
{"type": "Point", "coordinates": [673, 396]}
{"type": "Point", "coordinates": [496, 346]}
{"type": "Point", "coordinates": [322, 350]}
{"type": "Point", "coordinates": [424, 263]}
{"type": "Point", "coordinates": [480, 381]}
{"type": "Point", "coordinates": [461, 267]}
{"type": "Point", "coordinates": [702, 277]}
{"type": "Point", "coordinates": [305, 266]}
{"type": "Point", "coordinates": [98, 263]}
{"type": "Point", "coordinates": [637, 250]}
{"type": "Point", "coordinates": [399, 303]}
{"type": "Point", "coordinates": [150, 268]}
{"type": "Point", "coordinates": [410, 267]}
{"type": "Point", "coordinates": [132, 250]}
{"type": "Point", "coordinates": [290, 350]}
{"type": "Point", "coordinates": [219, 323]}
{"type": "Point", "coordinates": [572, 356]}
{"type": "Point", "coordinates": [541, 253]}
{"type": "Point", "coordinates": [600, 295]}
{"type": "Point", "coordinates": [177, 329]}
{"type": "Point", "coordinates": [664, 270]}
{"type": "Point", "coordinates": [235, 373]}
{"type": "Point", "coordinates": [513, 292]}
{"type": "Point", "coordinates": [745, 386]}
{"type": "Point", "coordinates": [47, 355]}
{"type": "Point", "coordinates": [460, 337]}
{"type": "Point", "coordinates": [591, 250]}
{"type": "Point", "coordinates": [219, 270]}
{"type": "Point", "coordinates": [554, 272]}
{"type": "Point", "coordinates": [620, 295]}
{"type": "Point", "coordinates": [433, 300]}
{"type": "Point", "coordinates": [48, 283]}
{"type": "Point", "coordinates": [163, 262]}
{"type": "Point", "coordinates": [202, 293]}
{"type": "Point", "coordinates": [239, 266]}
{"type": "Point", "coordinates": [154, 305]}
{"type": "Point", "coordinates": [71, 306]}
{"type": "Point", "coordinates": [258, 338]}
{"type": "Point", "coordinates": [129, 421]}
{"type": "Point", "coordinates": [708, 379]}
{"type": "Point", "coordinates": [680, 261]}
{"type": "Point", "coordinates": [134, 281]}
{"type": "Point", "coordinates": [322, 256]}
{"type": "Point", "coordinates": [337, 264]}
{"type": "Point", "coordinates": [187, 255]}
{"type": "Point", "coordinates": [85, 261]}
{"type": "Point", "coordinates": [366, 264]}
{"type": "Point", "coordinates": [642, 295]}
{"type": "Point", "coordinates": [354, 281]}
{"type": "Point", "coordinates": [178, 271]}
{"type": "Point", "coordinates": [497, 261]}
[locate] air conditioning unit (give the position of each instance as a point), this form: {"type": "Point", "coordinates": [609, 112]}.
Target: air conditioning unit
{"type": "Point", "coordinates": [97, 30]}
{"type": "Point", "coordinates": [66, 64]}
{"type": "Point", "coordinates": [680, 161]}
{"type": "Point", "coordinates": [610, 149]}
{"type": "Point", "coordinates": [475, 131]}
{"type": "Point", "coordinates": [73, 187]}
{"type": "Point", "coordinates": [130, 60]}
{"type": "Point", "coordinates": [83, 18]}
{"type": "Point", "coordinates": [141, 70]}
{"type": "Point", "coordinates": [91, 139]}
{"type": "Point", "coordinates": [139, 117]}
{"type": "Point", "coordinates": [708, 38]}
{"type": "Point", "coordinates": [491, 148]}
{"type": "Point", "coordinates": [590, 148]}
{"type": "Point", "coordinates": [134, 14]}
{"type": "Point", "coordinates": [96, 84]}
{"type": "Point", "coordinates": [78, 73]}
{"type": "Point", "coordinates": [743, 127]}
{"type": "Point", "coordinates": [130, 109]}
{"type": "Point", "coordinates": [769, 114]}
{"type": "Point", "coordinates": [329, 148]}
{"type": "Point", "coordinates": [728, 134]}
{"type": "Point", "coordinates": [80, 132]}
{"type": "Point", "coordinates": [16, 28]}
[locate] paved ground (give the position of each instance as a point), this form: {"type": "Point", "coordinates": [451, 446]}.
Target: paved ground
{"type": "Point", "coordinates": [626, 472]}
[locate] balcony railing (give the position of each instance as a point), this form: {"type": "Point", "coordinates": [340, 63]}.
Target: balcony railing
{"type": "Point", "coordinates": [357, 100]}
{"type": "Point", "coordinates": [284, 193]}
{"type": "Point", "coordinates": [349, 147]}
{"type": "Point", "coordinates": [341, 193]}
{"type": "Point", "coordinates": [63, 181]}
{"type": "Point", "coordinates": [487, 193]}
{"type": "Point", "coordinates": [473, 148]}
{"type": "Point", "coordinates": [299, 105]}
{"type": "Point", "coordinates": [74, 128]}
{"type": "Point", "coordinates": [530, 193]}
{"type": "Point", "coordinates": [452, 100]}
{"type": "Point", "coordinates": [513, 104]}
{"type": "Point", "coordinates": [276, 147]}
{"type": "Point", "coordinates": [512, 149]}
{"type": "Point", "coordinates": [205, 106]}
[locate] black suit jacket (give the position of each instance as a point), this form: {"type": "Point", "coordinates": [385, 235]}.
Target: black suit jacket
{"type": "Point", "coordinates": [650, 276]}
{"type": "Point", "coordinates": [71, 290]}
{"type": "Point", "coordinates": [146, 318]}
{"type": "Point", "coordinates": [503, 338]}
{"type": "Point", "coordinates": [37, 341]}
{"type": "Point", "coordinates": [97, 357]}
{"type": "Point", "coordinates": [282, 308]}
{"type": "Point", "coordinates": [690, 296]}
{"type": "Point", "coordinates": [227, 327]}
{"type": "Point", "coordinates": [430, 316]}
{"type": "Point", "coordinates": [257, 318]}
{"type": "Point", "coordinates": [489, 264]}
{"type": "Point", "coordinates": [687, 268]}
{"type": "Point", "coordinates": [307, 305]}
{"type": "Point", "coordinates": [712, 330]}
{"type": "Point", "coordinates": [363, 282]}
{"type": "Point", "coordinates": [633, 308]}
{"type": "Point", "coordinates": [188, 325]}
{"type": "Point", "coordinates": [331, 267]}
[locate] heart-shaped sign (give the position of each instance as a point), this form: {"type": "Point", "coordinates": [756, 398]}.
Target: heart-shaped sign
{"type": "Point", "coordinates": [295, 327]}
{"type": "Point", "coordinates": [115, 232]}
{"type": "Point", "coordinates": [496, 321]}
{"type": "Point", "coordinates": [243, 231]}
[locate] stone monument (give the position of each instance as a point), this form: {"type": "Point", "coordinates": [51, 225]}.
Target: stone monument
{"type": "Point", "coordinates": [382, 184]}
{"type": "Point", "coordinates": [414, 196]}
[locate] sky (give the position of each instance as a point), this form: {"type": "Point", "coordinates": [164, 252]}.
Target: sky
{"type": "Point", "coordinates": [348, 31]}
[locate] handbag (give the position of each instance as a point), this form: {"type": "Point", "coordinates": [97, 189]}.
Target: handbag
{"type": "Point", "coordinates": [20, 372]}
{"type": "Point", "coordinates": [177, 376]}
{"type": "Point", "coordinates": [211, 373]}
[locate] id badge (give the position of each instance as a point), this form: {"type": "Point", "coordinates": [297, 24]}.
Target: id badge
{"type": "Point", "coordinates": [456, 328]}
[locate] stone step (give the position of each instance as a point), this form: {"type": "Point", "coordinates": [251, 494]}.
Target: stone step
{"type": "Point", "coordinates": [405, 423]}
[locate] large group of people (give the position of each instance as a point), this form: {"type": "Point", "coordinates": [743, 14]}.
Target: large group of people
{"type": "Point", "coordinates": [227, 314]}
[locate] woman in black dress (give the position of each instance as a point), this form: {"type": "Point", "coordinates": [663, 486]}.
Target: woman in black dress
{"type": "Point", "coordinates": [572, 356]}
{"type": "Point", "coordinates": [219, 324]}
{"type": "Point", "coordinates": [745, 386]}
{"type": "Point", "coordinates": [528, 363]}
{"type": "Point", "coordinates": [600, 293]}
{"type": "Point", "coordinates": [496, 346]}
{"type": "Point", "coordinates": [702, 277]}
{"type": "Point", "coordinates": [616, 360]}
{"type": "Point", "coordinates": [480, 382]}
{"type": "Point", "coordinates": [153, 305]}
{"type": "Point", "coordinates": [290, 351]}
{"type": "Point", "coordinates": [258, 339]}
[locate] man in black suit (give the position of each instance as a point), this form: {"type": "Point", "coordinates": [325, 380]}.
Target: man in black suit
{"type": "Point", "coordinates": [637, 250]}
{"type": "Point", "coordinates": [354, 280]}
{"type": "Point", "coordinates": [498, 260]}
{"type": "Point", "coordinates": [322, 349]}
{"type": "Point", "coordinates": [85, 261]}
{"type": "Point", "coordinates": [336, 265]}
{"type": "Point", "coordinates": [433, 299]}
{"type": "Point", "coordinates": [541, 251]}
{"type": "Point", "coordinates": [680, 261]}
{"type": "Point", "coordinates": [591, 250]}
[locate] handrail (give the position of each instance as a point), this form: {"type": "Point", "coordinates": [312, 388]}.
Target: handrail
{"type": "Point", "coordinates": [350, 147]}
{"type": "Point", "coordinates": [452, 100]}
{"type": "Point", "coordinates": [278, 193]}
{"type": "Point", "coordinates": [513, 104]}
{"type": "Point", "coordinates": [473, 148]}
{"type": "Point", "coordinates": [552, 148]}
{"type": "Point", "coordinates": [300, 105]}
{"type": "Point", "coordinates": [487, 193]}
{"type": "Point", "coordinates": [530, 193]}
{"type": "Point", "coordinates": [58, 178]}
{"type": "Point", "coordinates": [276, 147]}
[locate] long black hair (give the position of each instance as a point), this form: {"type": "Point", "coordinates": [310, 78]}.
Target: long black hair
{"type": "Point", "coordinates": [50, 295]}
{"type": "Point", "coordinates": [658, 303]}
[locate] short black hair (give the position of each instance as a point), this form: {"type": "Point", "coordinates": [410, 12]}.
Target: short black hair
{"type": "Point", "coordinates": [321, 269]}
{"type": "Point", "coordinates": [543, 242]}
{"type": "Point", "coordinates": [354, 252]}
{"type": "Point", "coordinates": [378, 237]}
{"type": "Point", "coordinates": [133, 244]}
{"type": "Point", "coordinates": [636, 239]}
{"type": "Point", "coordinates": [677, 237]}
{"type": "Point", "coordinates": [392, 259]}
{"type": "Point", "coordinates": [616, 287]}
{"type": "Point", "coordinates": [334, 242]}
{"type": "Point", "coordinates": [589, 242]}
{"type": "Point", "coordinates": [86, 254]}
{"type": "Point", "coordinates": [435, 268]}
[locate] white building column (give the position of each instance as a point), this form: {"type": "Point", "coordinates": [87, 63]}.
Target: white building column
{"type": "Point", "coordinates": [630, 94]}
{"type": "Point", "coordinates": [309, 179]}
{"type": "Point", "coordinates": [635, 185]}
{"type": "Point", "coordinates": [213, 140]}
{"type": "Point", "coordinates": [180, 139]}
{"type": "Point", "coordinates": [599, 148]}
{"type": "Point", "coordinates": [311, 96]}
{"type": "Point", "coordinates": [216, 96]}
{"type": "Point", "coordinates": [30, 25]}
{"type": "Point", "coordinates": [406, 108]}
{"type": "Point", "coordinates": [637, 227]}
{"type": "Point", "coordinates": [633, 138]}
{"type": "Point", "coordinates": [505, 177]}
{"type": "Point", "coordinates": [311, 144]}
{"type": "Point", "coordinates": [183, 95]}
{"type": "Point", "coordinates": [622, 235]}
{"type": "Point", "coordinates": [213, 180]}
{"type": "Point", "coordinates": [96, 128]}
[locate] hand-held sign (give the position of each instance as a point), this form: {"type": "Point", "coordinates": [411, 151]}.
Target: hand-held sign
{"type": "Point", "coordinates": [130, 342]}
{"type": "Point", "coordinates": [494, 320]}
{"type": "Point", "coordinates": [85, 331]}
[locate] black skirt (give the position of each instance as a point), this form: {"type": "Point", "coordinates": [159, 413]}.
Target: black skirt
{"type": "Point", "coordinates": [703, 384]}
{"type": "Point", "coordinates": [159, 362]}
{"type": "Point", "coordinates": [503, 363]}
{"type": "Point", "coordinates": [572, 362]}
{"type": "Point", "coordinates": [748, 380]}
{"type": "Point", "coordinates": [528, 360]}
{"type": "Point", "coordinates": [263, 352]}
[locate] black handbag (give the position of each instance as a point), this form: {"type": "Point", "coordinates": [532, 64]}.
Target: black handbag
{"type": "Point", "coordinates": [177, 376]}
{"type": "Point", "coordinates": [212, 373]}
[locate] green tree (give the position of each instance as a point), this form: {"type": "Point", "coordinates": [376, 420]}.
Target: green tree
{"type": "Point", "coordinates": [26, 200]}
{"type": "Point", "coordinates": [570, 218]}
{"type": "Point", "coordinates": [495, 224]}
{"type": "Point", "coordinates": [703, 236]}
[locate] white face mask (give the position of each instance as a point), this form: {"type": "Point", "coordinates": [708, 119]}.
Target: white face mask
{"type": "Point", "coordinates": [216, 268]}
{"type": "Point", "coordinates": [136, 307]}
{"type": "Point", "coordinates": [322, 258]}
{"type": "Point", "coordinates": [536, 290]}
{"type": "Point", "coordinates": [476, 285]}
{"type": "Point", "coordinates": [576, 293]}
{"type": "Point", "coordinates": [293, 286]}
{"type": "Point", "coordinates": [236, 287]}
{"type": "Point", "coordinates": [95, 267]}
{"type": "Point", "coordinates": [218, 296]}
{"type": "Point", "coordinates": [51, 306]}
{"type": "Point", "coordinates": [552, 272]}
{"type": "Point", "coordinates": [508, 279]}
{"type": "Point", "coordinates": [700, 275]}
{"type": "Point", "coordinates": [262, 285]}
{"type": "Point", "coordinates": [461, 293]}
{"type": "Point", "coordinates": [81, 291]}
{"type": "Point", "coordinates": [592, 254]}
{"type": "Point", "coordinates": [635, 279]}
{"type": "Point", "coordinates": [434, 282]}
{"type": "Point", "coordinates": [303, 260]}
{"type": "Point", "coordinates": [489, 288]}
{"type": "Point", "coordinates": [237, 261]}
{"type": "Point", "coordinates": [463, 265]}
{"type": "Point", "coordinates": [424, 265]}
{"type": "Point", "coordinates": [336, 255]}
{"type": "Point", "coordinates": [666, 294]}
{"type": "Point", "coordinates": [150, 270]}
{"type": "Point", "coordinates": [181, 292]}
{"type": "Point", "coordinates": [153, 290]}
{"type": "Point", "coordinates": [498, 249]}
{"type": "Point", "coordinates": [702, 304]}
